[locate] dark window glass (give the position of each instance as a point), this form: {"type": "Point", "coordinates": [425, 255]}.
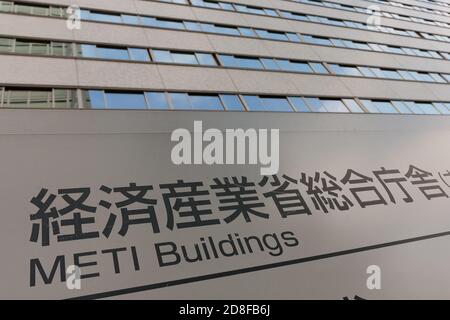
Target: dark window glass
{"type": "Point", "coordinates": [112, 53]}
{"type": "Point", "coordinates": [40, 48]}
{"type": "Point", "coordinates": [6, 45]}
{"type": "Point", "coordinates": [18, 98]}
{"type": "Point", "coordinates": [22, 46]}
{"type": "Point", "coordinates": [61, 98]}
{"type": "Point", "coordinates": [6, 6]}
{"type": "Point", "coordinates": [40, 99]}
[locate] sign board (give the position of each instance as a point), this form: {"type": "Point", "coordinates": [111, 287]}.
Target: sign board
{"type": "Point", "coordinates": [358, 209]}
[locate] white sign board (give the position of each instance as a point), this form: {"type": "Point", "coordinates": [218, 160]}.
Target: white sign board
{"type": "Point", "coordinates": [359, 208]}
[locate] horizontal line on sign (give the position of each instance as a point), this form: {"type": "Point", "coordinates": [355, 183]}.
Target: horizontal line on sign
{"type": "Point", "coordinates": [256, 268]}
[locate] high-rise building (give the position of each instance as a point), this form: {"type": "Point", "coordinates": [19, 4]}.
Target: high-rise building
{"type": "Point", "coordinates": [359, 89]}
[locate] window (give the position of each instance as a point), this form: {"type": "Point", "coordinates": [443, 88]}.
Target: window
{"type": "Point", "coordinates": [333, 105]}
{"type": "Point", "coordinates": [256, 103]}
{"type": "Point", "coordinates": [6, 45]}
{"type": "Point", "coordinates": [88, 51]}
{"type": "Point", "coordinates": [231, 102]}
{"type": "Point", "coordinates": [162, 56]}
{"type": "Point", "coordinates": [64, 99]}
{"type": "Point", "coordinates": [391, 49]}
{"type": "Point", "coordinates": [170, 24]}
{"type": "Point", "coordinates": [317, 40]}
{"type": "Point", "coordinates": [384, 106]}
{"type": "Point", "coordinates": [38, 98]}
{"type": "Point", "coordinates": [294, 15]}
{"type": "Point", "coordinates": [441, 107]}
{"type": "Point", "coordinates": [250, 63]}
{"type": "Point", "coordinates": [352, 106]}
{"type": "Point", "coordinates": [105, 17]}
{"type": "Point", "coordinates": [247, 32]}
{"type": "Point", "coordinates": [379, 106]}
{"type": "Point", "coordinates": [18, 99]}
{"type": "Point", "coordinates": [294, 66]}
{"type": "Point", "coordinates": [299, 104]}
{"type": "Point", "coordinates": [276, 104]}
{"type": "Point", "coordinates": [125, 100]}
{"type": "Point", "coordinates": [206, 59]}
{"type": "Point", "coordinates": [293, 37]}
{"type": "Point", "coordinates": [22, 47]}
{"type": "Point", "coordinates": [315, 105]}
{"type": "Point", "coordinates": [42, 48]}
{"type": "Point", "coordinates": [421, 76]}
{"type": "Point", "coordinates": [406, 75]}
{"type": "Point", "coordinates": [390, 74]}
{"type": "Point", "coordinates": [192, 26]}
{"type": "Point", "coordinates": [345, 70]}
{"type": "Point", "coordinates": [95, 99]}
{"type": "Point", "coordinates": [180, 101]}
{"type": "Point", "coordinates": [61, 49]}
{"type": "Point", "coordinates": [184, 58]}
{"type": "Point", "coordinates": [401, 107]}
{"type": "Point", "coordinates": [220, 29]}
{"type": "Point", "coordinates": [112, 53]}
{"type": "Point", "coordinates": [205, 102]}
{"type": "Point", "coordinates": [31, 9]}
{"type": "Point", "coordinates": [270, 64]}
{"type": "Point", "coordinates": [437, 78]}
{"type": "Point", "coordinates": [367, 72]}
{"type": "Point", "coordinates": [422, 107]}
{"type": "Point", "coordinates": [157, 100]}
{"type": "Point", "coordinates": [318, 67]}
{"type": "Point", "coordinates": [273, 35]}
{"type": "Point", "coordinates": [6, 6]}
{"type": "Point", "coordinates": [240, 62]}
{"type": "Point", "coordinates": [355, 44]}
{"type": "Point", "coordinates": [130, 19]}
{"type": "Point", "coordinates": [139, 54]}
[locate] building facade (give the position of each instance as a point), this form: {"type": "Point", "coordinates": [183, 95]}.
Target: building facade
{"type": "Point", "coordinates": [379, 56]}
